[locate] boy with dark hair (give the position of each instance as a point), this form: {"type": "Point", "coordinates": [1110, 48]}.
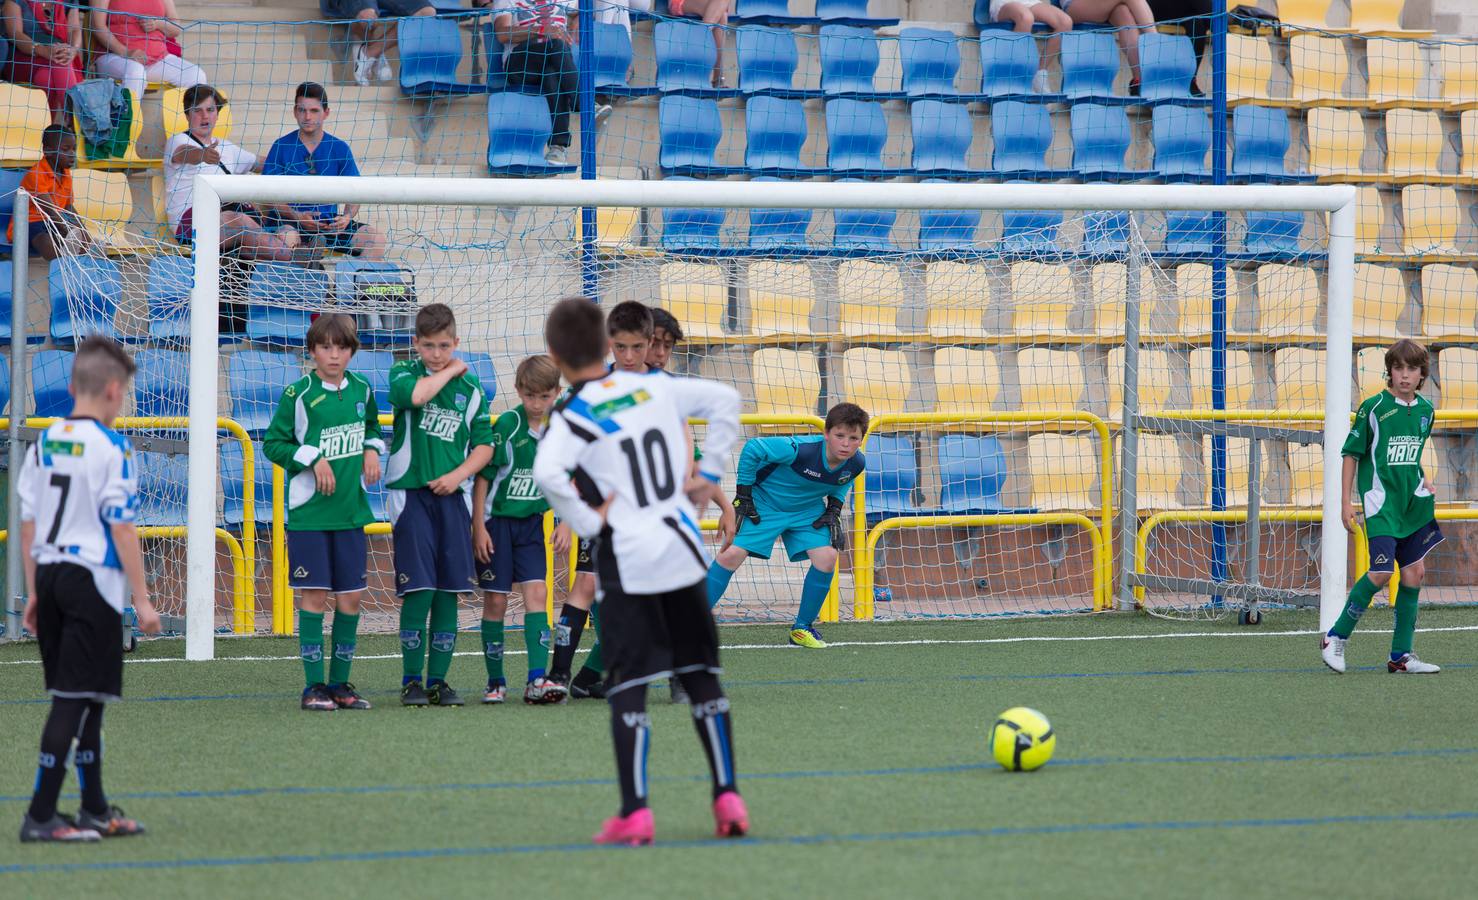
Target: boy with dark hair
{"type": "Point", "coordinates": [510, 545]}
{"type": "Point", "coordinates": [49, 182]}
{"type": "Point", "coordinates": [326, 437]}
{"type": "Point", "coordinates": [781, 480]}
{"type": "Point", "coordinates": [612, 464]}
{"type": "Point", "coordinates": [78, 488]}
{"type": "Point", "coordinates": [667, 333]}
{"type": "Point", "coordinates": [442, 438]}
{"type": "Point", "coordinates": [1384, 452]}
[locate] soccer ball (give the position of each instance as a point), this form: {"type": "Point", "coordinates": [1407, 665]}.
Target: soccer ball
{"type": "Point", "coordinates": [1022, 739]}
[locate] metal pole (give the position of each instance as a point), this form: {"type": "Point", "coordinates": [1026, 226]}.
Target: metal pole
{"type": "Point", "coordinates": [1219, 286]}
{"type": "Point", "coordinates": [15, 579]}
{"type": "Point", "coordinates": [1129, 466]}
{"type": "Point", "coordinates": [589, 276]}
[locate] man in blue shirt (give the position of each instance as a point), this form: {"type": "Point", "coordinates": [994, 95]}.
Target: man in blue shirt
{"type": "Point", "coordinates": [312, 151]}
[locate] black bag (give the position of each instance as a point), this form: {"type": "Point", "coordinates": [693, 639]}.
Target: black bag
{"type": "Point", "coordinates": [1255, 19]}
{"type": "Point", "coordinates": [383, 298]}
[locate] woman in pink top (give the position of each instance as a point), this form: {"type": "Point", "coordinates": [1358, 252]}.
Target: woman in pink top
{"type": "Point", "coordinates": [47, 37]}
{"type": "Point", "coordinates": [133, 36]}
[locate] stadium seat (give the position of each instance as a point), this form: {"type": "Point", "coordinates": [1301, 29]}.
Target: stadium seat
{"type": "Point", "coordinates": [1469, 137]}
{"type": "Point", "coordinates": [1159, 467]}
{"type": "Point", "coordinates": [685, 55]}
{"type": "Point", "coordinates": [164, 481]}
{"type": "Point", "coordinates": [1261, 136]}
{"type": "Point", "coordinates": [374, 366]}
{"type": "Point", "coordinates": [1304, 14]}
{"type": "Point", "coordinates": [1270, 233]}
{"type": "Point", "coordinates": [1381, 17]}
{"type": "Point", "coordinates": [1414, 143]}
{"type": "Point", "coordinates": [1167, 66]}
{"type": "Point", "coordinates": [1188, 232]}
{"type": "Point", "coordinates": [255, 380]}
{"type": "Point", "coordinates": [1306, 466]}
{"type": "Point", "coordinates": [930, 59]}
{"type": "Point", "coordinates": [1238, 475]}
{"type": "Point", "coordinates": [1193, 289]}
{"type": "Point", "coordinates": [856, 131]}
{"type": "Point", "coordinates": [1460, 74]}
{"type": "Point", "coordinates": [23, 116]}
{"type": "Point", "coordinates": [775, 133]}
{"type": "Point", "coordinates": [879, 381]}
{"type": "Point", "coordinates": [1320, 66]}
{"type": "Point", "coordinates": [1370, 374]}
{"type": "Point", "coordinates": [10, 179]}
{"type": "Point", "coordinates": [1447, 303]}
{"type": "Point", "coordinates": [956, 295]}
{"type": "Point", "coordinates": [946, 230]}
{"type": "Point", "coordinates": [1110, 286]}
{"type": "Point", "coordinates": [1238, 379]}
{"type": "Point", "coordinates": [782, 296]}
{"type": "Point", "coordinates": [849, 59]}
{"type": "Point", "coordinates": [105, 202]}
{"type": "Point", "coordinates": [850, 11]}
{"type": "Point", "coordinates": [162, 383]}
{"type": "Point", "coordinates": [50, 372]}
{"type": "Point", "coordinates": [430, 54]}
{"type": "Point", "coordinates": [871, 294]}
{"type": "Point", "coordinates": [771, 229]}
{"type": "Point", "coordinates": [691, 229]}
{"type": "Point", "coordinates": [1299, 380]}
{"type": "Point", "coordinates": [4, 387]}
{"type": "Point", "coordinates": [753, 10]}
{"type": "Point", "coordinates": [697, 295]}
{"type": "Point", "coordinates": [1101, 138]}
{"type": "Point", "coordinates": [1043, 297]}
{"type": "Point", "coordinates": [786, 382]}
{"type": "Point", "coordinates": [690, 131]}
{"type": "Point", "coordinates": [942, 133]}
{"type": "Point", "coordinates": [1065, 471]}
{"type": "Point", "coordinates": [281, 298]}
{"type": "Point", "coordinates": [1182, 138]}
{"type": "Point", "coordinates": [1370, 217]}
{"type": "Point", "coordinates": [172, 107]}
{"type": "Point", "coordinates": [965, 379]}
{"type": "Point", "coordinates": [1050, 379]}
{"type": "Point", "coordinates": [1105, 233]}
{"type": "Point", "coordinates": [1290, 304]}
{"type": "Point", "coordinates": [1029, 232]}
{"type": "Point", "coordinates": [1008, 62]}
{"type": "Point", "coordinates": [767, 59]}
{"type": "Point", "coordinates": [892, 475]}
{"type": "Point", "coordinates": [1430, 218]}
{"type": "Point", "coordinates": [233, 479]}
{"type": "Point", "coordinates": [6, 300]}
{"type": "Point", "coordinates": [1336, 142]}
{"type": "Point", "coordinates": [1396, 72]}
{"type": "Point", "coordinates": [482, 368]}
{"type": "Point", "coordinates": [171, 279]}
{"type": "Point", "coordinates": [612, 56]}
{"type": "Point", "coordinates": [1157, 372]}
{"type": "Point", "coordinates": [1022, 134]}
{"type": "Point", "coordinates": [863, 229]}
{"type": "Point", "coordinates": [972, 473]}
{"type": "Point", "coordinates": [1380, 299]}
{"type": "Point", "coordinates": [518, 132]}
{"type": "Point", "coordinates": [1249, 67]}
{"type": "Point", "coordinates": [1090, 63]}
{"type": "Point", "coordinates": [1457, 373]}
{"type": "Point", "coordinates": [85, 292]}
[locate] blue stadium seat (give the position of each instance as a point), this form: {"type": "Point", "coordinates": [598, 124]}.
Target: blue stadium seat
{"type": "Point", "coordinates": [255, 380]}
{"type": "Point", "coordinates": [856, 131]}
{"type": "Point", "coordinates": [776, 131]}
{"type": "Point", "coordinates": [1029, 232]}
{"type": "Point", "coordinates": [685, 56]}
{"type": "Point", "coordinates": [930, 60]}
{"type": "Point", "coordinates": [1008, 63]}
{"type": "Point", "coordinates": [374, 366]}
{"type": "Point", "coordinates": [1261, 137]}
{"type": "Point", "coordinates": [518, 131]}
{"type": "Point", "coordinates": [170, 280]}
{"type": "Point", "coordinates": [375, 493]}
{"type": "Point", "coordinates": [778, 229]}
{"type": "Point", "coordinates": [1182, 138]}
{"type": "Point", "coordinates": [947, 230]}
{"type": "Point", "coordinates": [50, 372]}
{"type": "Point", "coordinates": [353, 276]}
{"type": "Point", "coordinates": [942, 133]}
{"type": "Point", "coordinates": [164, 482]}
{"type": "Point", "coordinates": [850, 12]}
{"type": "Point", "coordinates": [863, 229]}
{"type": "Point", "coordinates": [4, 387]}
{"type": "Point", "coordinates": [281, 299]}
{"type": "Point", "coordinates": [1167, 65]}
{"type": "Point", "coordinates": [6, 274]}
{"type": "Point", "coordinates": [481, 366]}
{"type": "Point", "coordinates": [972, 472]}
{"type": "Point", "coordinates": [685, 229]}
{"type": "Point", "coordinates": [1101, 137]}
{"type": "Point", "coordinates": [613, 59]}
{"type": "Point", "coordinates": [430, 53]}
{"type": "Point", "coordinates": [690, 130]}
{"type": "Point", "coordinates": [1090, 62]}
{"type": "Point", "coordinates": [849, 60]}
{"type": "Point", "coordinates": [1188, 233]}
{"type": "Point", "coordinates": [892, 476]}
{"type": "Point", "coordinates": [10, 179]}
{"type": "Point", "coordinates": [1106, 233]}
{"type": "Point", "coordinates": [233, 479]}
{"type": "Point", "coordinates": [767, 61]}
{"type": "Point", "coordinates": [84, 298]}
{"type": "Point", "coordinates": [1022, 132]}
{"type": "Point", "coordinates": [768, 12]}
{"type": "Point", "coordinates": [497, 79]}
{"type": "Point", "coordinates": [1273, 234]}
{"type": "Point", "coordinates": [162, 383]}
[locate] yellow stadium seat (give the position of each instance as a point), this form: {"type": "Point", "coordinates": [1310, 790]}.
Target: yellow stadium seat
{"type": "Point", "coordinates": [965, 379]}
{"type": "Point", "coordinates": [1065, 471]}
{"type": "Point", "coordinates": [130, 158]}
{"type": "Point", "coordinates": [782, 296]}
{"type": "Point", "coordinates": [1299, 373]}
{"type": "Point", "coordinates": [23, 116]}
{"type": "Point", "coordinates": [1370, 220]}
{"type": "Point", "coordinates": [1414, 144]}
{"type": "Point", "coordinates": [1157, 372]}
{"type": "Point", "coordinates": [1396, 72]}
{"type": "Point", "coordinates": [1381, 17]}
{"type": "Point", "coordinates": [1289, 302]}
{"type": "Point", "coordinates": [786, 382]}
{"type": "Point", "coordinates": [172, 103]}
{"type": "Point", "coordinates": [1238, 471]}
{"type": "Point", "coordinates": [1306, 466]}
{"type": "Point", "coordinates": [1319, 65]}
{"type": "Point", "coordinates": [1159, 467]}
{"type": "Point", "coordinates": [1447, 303]}
{"type": "Point", "coordinates": [1460, 74]}
{"type": "Point", "coordinates": [871, 295]}
{"type": "Point", "coordinates": [1050, 379]}
{"type": "Point", "coordinates": [1193, 288]}
{"type": "Point", "coordinates": [1238, 379]}
{"type": "Point", "coordinates": [104, 201]}
{"type": "Point", "coordinates": [1249, 67]}
{"type": "Point", "coordinates": [1470, 143]}
{"type": "Point", "coordinates": [1380, 298]}
{"type": "Point", "coordinates": [1304, 14]}
{"type": "Point", "coordinates": [1429, 220]}
{"type": "Point", "coordinates": [1110, 294]}
{"type": "Point", "coordinates": [1370, 373]}
{"type": "Point", "coordinates": [1336, 142]}
{"type": "Point", "coordinates": [877, 380]}
{"type": "Point", "coordinates": [1458, 368]}
{"type": "Point", "coordinates": [695, 293]}
{"type": "Point", "coordinates": [615, 227]}
{"type": "Point", "coordinates": [957, 295]}
{"type": "Point", "coordinates": [1044, 296]}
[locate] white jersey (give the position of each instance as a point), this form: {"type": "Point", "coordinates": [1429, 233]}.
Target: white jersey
{"type": "Point", "coordinates": [625, 437]}
{"type": "Point", "coordinates": [79, 479]}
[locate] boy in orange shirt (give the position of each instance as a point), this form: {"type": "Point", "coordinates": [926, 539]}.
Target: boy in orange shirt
{"type": "Point", "coordinates": [49, 183]}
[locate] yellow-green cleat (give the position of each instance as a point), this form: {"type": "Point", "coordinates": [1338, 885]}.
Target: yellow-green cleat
{"type": "Point", "coordinates": [809, 638]}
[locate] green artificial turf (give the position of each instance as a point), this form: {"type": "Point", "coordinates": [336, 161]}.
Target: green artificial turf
{"type": "Point", "coordinates": [1225, 765]}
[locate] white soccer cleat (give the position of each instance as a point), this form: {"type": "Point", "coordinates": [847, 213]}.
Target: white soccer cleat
{"type": "Point", "coordinates": [1409, 664]}
{"type": "Point", "coordinates": [364, 67]}
{"type": "Point", "coordinates": [1334, 652]}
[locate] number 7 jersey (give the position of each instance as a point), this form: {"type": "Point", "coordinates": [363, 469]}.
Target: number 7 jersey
{"type": "Point", "coordinates": [623, 438]}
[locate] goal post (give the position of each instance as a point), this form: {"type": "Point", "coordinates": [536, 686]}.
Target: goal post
{"type": "Point", "coordinates": [211, 192]}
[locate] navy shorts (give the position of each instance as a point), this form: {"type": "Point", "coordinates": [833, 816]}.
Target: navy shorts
{"type": "Point", "coordinates": [432, 540]}
{"type": "Point", "coordinates": [349, 9]}
{"type": "Point", "coordinates": [518, 553]}
{"type": "Point", "coordinates": [331, 561]}
{"type": "Point", "coordinates": [585, 556]}
{"type": "Point", "coordinates": [1387, 551]}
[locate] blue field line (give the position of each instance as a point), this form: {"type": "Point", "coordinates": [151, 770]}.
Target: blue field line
{"type": "Point", "coordinates": [892, 772]}
{"type": "Point", "coordinates": [753, 842]}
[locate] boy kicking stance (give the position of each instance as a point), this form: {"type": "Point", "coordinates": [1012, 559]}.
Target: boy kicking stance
{"type": "Point", "coordinates": [1384, 452]}
{"type": "Point", "coordinates": [79, 493]}
{"type": "Point", "coordinates": [612, 464]}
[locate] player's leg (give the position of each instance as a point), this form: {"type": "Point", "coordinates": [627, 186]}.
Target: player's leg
{"type": "Point", "coordinates": [42, 822]}
{"type": "Point", "coordinates": [494, 608]}
{"type": "Point", "coordinates": [591, 677]}
{"type": "Point", "coordinates": [1382, 564]}
{"type": "Point", "coordinates": [639, 651]}
{"type": "Point", "coordinates": [573, 615]}
{"type": "Point", "coordinates": [813, 544]}
{"type": "Point", "coordinates": [96, 812]}
{"type": "Point", "coordinates": [536, 634]}
{"type": "Point", "coordinates": [443, 647]}
{"type": "Point", "coordinates": [413, 547]}
{"type": "Point", "coordinates": [755, 539]}
{"type": "Point", "coordinates": [350, 563]}
{"type": "Point", "coordinates": [722, 569]}
{"type": "Point", "coordinates": [308, 575]}
{"type": "Point", "coordinates": [456, 571]}
{"type": "Point", "coordinates": [1411, 553]}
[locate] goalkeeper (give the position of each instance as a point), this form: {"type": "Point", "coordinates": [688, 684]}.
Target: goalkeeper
{"type": "Point", "coordinates": [793, 489]}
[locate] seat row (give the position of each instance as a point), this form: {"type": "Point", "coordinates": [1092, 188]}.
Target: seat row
{"type": "Point", "coordinates": [1417, 147]}
{"type": "Point", "coordinates": [1320, 72]}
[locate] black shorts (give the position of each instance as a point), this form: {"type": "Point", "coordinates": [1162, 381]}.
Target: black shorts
{"type": "Point", "coordinates": [1386, 552]}
{"type": "Point", "coordinates": [585, 555]}
{"type": "Point", "coordinates": [331, 561]}
{"type": "Point", "coordinates": [648, 637]}
{"type": "Point", "coordinates": [81, 636]}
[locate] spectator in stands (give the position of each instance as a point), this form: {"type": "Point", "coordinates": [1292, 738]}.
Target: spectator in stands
{"type": "Point", "coordinates": [374, 38]}
{"type": "Point", "coordinates": [133, 37]}
{"type": "Point", "coordinates": [47, 40]}
{"type": "Point", "coordinates": [197, 151]}
{"type": "Point", "coordinates": [538, 55]}
{"type": "Point", "coordinates": [312, 151]}
{"type": "Point", "coordinates": [1131, 17]}
{"type": "Point", "coordinates": [1196, 20]}
{"type": "Point", "coordinates": [1023, 14]}
{"type": "Point", "coordinates": [49, 182]}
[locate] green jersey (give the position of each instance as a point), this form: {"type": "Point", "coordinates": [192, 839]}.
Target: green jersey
{"type": "Point", "coordinates": [1387, 440]}
{"type": "Point", "coordinates": [337, 422]}
{"type": "Point", "coordinates": [512, 493]}
{"type": "Point", "coordinates": [433, 439]}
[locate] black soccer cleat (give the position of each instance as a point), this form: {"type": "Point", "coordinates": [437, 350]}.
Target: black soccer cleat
{"type": "Point", "coordinates": [679, 693]}
{"type": "Point", "coordinates": [345, 696]}
{"type": "Point", "coordinates": [588, 686]}
{"type": "Point", "coordinates": [112, 823]}
{"type": "Point", "coordinates": [412, 694]}
{"type": "Point", "coordinates": [441, 694]}
{"type": "Point", "coordinates": [61, 829]}
{"type": "Point", "coordinates": [317, 698]}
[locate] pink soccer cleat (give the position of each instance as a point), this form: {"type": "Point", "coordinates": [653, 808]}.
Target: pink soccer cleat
{"type": "Point", "coordinates": [635, 830]}
{"type": "Point", "coordinates": [730, 816]}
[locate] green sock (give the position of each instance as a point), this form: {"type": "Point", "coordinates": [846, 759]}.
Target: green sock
{"type": "Point", "coordinates": [1360, 597]}
{"type": "Point", "coordinates": [1405, 620]}
{"type": "Point", "coordinates": [345, 636]}
{"type": "Point", "coordinates": [593, 660]}
{"type": "Point", "coordinates": [443, 635]}
{"type": "Point", "coordinates": [414, 608]}
{"type": "Point", "coordinates": [310, 645]}
{"type": "Point", "coordinates": [536, 639]}
{"type": "Point", "coordinates": [492, 649]}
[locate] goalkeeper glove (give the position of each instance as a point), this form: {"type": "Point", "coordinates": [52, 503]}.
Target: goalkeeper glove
{"type": "Point", "coordinates": [744, 503]}
{"type": "Point", "coordinates": [831, 520]}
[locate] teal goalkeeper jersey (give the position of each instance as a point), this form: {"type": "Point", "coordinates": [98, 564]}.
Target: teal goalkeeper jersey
{"type": "Point", "coordinates": [316, 420]}
{"type": "Point", "coordinates": [433, 439]}
{"type": "Point", "coordinates": [1387, 439]}
{"type": "Point", "coordinates": [790, 474]}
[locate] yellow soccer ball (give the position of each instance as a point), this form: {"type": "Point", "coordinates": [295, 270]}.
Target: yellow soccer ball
{"type": "Point", "coordinates": [1022, 739]}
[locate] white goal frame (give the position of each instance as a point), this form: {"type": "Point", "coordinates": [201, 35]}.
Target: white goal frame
{"type": "Point", "coordinates": [212, 190]}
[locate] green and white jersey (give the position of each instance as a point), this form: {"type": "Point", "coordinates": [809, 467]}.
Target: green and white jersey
{"type": "Point", "coordinates": [431, 440]}
{"type": "Point", "coordinates": [336, 422]}
{"type": "Point", "coordinates": [1387, 440]}
{"type": "Point", "coordinates": [512, 493]}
